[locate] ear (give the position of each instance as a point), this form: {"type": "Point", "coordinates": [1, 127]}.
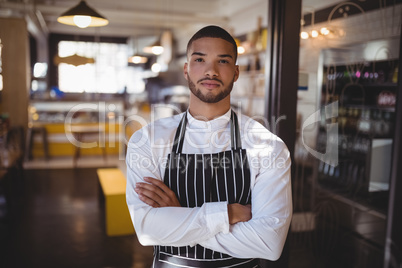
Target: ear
{"type": "Point", "coordinates": [237, 73]}
{"type": "Point", "coordinates": [185, 70]}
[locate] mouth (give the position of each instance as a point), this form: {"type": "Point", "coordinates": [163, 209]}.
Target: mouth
{"type": "Point", "coordinates": [210, 84]}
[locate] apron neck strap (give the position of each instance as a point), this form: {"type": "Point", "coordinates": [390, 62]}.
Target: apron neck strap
{"type": "Point", "coordinates": [179, 137]}
{"type": "Point", "coordinates": [234, 131]}
{"type": "Point", "coordinates": [181, 131]}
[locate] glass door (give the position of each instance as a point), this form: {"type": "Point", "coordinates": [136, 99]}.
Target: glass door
{"type": "Point", "coordinates": [346, 120]}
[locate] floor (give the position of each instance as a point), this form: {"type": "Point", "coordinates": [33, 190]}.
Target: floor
{"type": "Point", "coordinates": [87, 161]}
{"type": "Point", "coordinates": [55, 219]}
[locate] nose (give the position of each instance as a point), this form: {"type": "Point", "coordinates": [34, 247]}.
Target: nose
{"type": "Point", "coordinates": [211, 70]}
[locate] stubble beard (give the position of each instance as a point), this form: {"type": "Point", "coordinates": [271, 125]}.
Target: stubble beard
{"type": "Point", "coordinates": [209, 97]}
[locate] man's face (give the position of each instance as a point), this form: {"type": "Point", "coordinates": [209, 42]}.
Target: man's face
{"type": "Point", "coordinates": [211, 69]}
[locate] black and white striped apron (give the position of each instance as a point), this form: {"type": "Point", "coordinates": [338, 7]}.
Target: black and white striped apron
{"type": "Point", "coordinates": [200, 178]}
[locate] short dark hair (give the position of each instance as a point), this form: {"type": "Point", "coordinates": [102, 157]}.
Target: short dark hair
{"type": "Point", "coordinates": [214, 32]}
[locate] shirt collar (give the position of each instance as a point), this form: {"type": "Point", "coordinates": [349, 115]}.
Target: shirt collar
{"type": "Point", "coordinates": [216, 123]}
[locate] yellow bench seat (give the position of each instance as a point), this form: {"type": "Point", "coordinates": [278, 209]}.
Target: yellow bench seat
{"type": "Point", "coordinates": [113, 184]}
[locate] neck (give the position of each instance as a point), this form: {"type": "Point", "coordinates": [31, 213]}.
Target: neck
{"type": "Point", "coordinates": [208, 111]}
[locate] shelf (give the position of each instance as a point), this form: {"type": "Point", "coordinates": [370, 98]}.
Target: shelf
{"type": "Point", "coordinates": [381, 85]}
{"type": "Point", "coordinates": [368, 107]}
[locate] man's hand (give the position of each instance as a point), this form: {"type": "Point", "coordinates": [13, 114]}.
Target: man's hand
{"type": "Point", "coordinates": [156, 194]}
{"type": "Point", "coordinates": [239, 213]}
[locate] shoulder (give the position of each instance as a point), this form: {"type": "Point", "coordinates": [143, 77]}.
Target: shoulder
{"type": "Point", "coordinates": [159, 129]}
{"type": "Point", "coordinates": [251, 127]}
{"type": "Point", "coordinates": [258, 136]}
{"type": "Point", "coordinates": [246, 122]}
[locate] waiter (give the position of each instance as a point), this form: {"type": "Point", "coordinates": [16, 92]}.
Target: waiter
{"type": "Point", "coordinates": [209, 187]}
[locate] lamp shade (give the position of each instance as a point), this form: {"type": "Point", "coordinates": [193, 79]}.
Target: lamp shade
{"type": "Point", "coordinates": [75, 60]}
{"type": "Point", "coordinates": [156, 48]}
{"type": "Point", "coordinates": [82, 16]}
{"type": "Point", "coordinates": [137, 59]}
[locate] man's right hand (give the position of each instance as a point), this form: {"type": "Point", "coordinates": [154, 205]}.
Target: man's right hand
{"type": "Point", "coordinates": [239, 213]}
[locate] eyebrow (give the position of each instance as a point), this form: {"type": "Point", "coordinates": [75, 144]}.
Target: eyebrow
{"type": "Point", "coordinates": [203, 54]}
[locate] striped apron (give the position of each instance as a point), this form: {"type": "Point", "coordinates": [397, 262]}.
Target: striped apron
{"type": "Point", "coordinates": [200, 178]}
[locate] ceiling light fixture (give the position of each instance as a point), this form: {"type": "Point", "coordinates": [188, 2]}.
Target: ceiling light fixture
{"type": "Point", "coordinates": [137, 59]}
{"type": "Point", "coordinates": [156, 48]}
{"type": "Point", "coordinates": [75, 60]}
{"type": "Point", "coordinates": [314, 33]}
{"type": "Point", "coordinates": [82, 16]}
{"type": "Point", "coordinates": [304, 35]}
{"type": "Point", "coordinates": [324, 31]}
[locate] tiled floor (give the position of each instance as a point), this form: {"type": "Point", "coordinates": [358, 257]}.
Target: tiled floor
{"type": "Point", "coordinates": [55, 219]}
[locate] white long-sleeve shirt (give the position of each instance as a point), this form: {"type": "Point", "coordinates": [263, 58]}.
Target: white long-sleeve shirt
{"type": "Point", "coordinates": [261, 237]}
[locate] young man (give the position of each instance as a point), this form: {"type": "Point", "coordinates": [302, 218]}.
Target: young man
{"type": "Point", "coordinates": [208, 187]}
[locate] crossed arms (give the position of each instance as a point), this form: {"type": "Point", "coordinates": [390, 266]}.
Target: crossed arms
{"type": "Point", "coordinates": [241, 231]}
{"type": "Point", "coordinates": [156, 194]}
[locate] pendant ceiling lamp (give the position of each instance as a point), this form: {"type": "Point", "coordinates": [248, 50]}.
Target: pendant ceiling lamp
{"type": "Point", "coordinates": [137, 59]}
{"type": "Point", "coordinates": [82, 16]}
{"type": "Point", "coordinates": [75, 60]}
{"type": "Point", "coordinates": [156, 48]}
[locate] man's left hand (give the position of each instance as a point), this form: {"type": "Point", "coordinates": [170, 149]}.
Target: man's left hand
{"type": "Point", "coordinates": [156, 194]}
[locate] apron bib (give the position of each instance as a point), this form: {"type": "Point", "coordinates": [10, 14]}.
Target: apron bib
{"type": "Point", "coordinates": [200, 178]}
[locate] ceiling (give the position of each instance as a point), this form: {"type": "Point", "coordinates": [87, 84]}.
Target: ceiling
{"type": "Point", "coordinates": [130, 17]}
{"type": "Point", "coordinates": [136, 17]}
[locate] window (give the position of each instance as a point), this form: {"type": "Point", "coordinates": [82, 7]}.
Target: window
{"type": "Point", "coordinates": [109, 74]}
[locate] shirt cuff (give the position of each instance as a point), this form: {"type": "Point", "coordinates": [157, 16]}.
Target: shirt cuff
{"type": "Point", "coordinates": [217, 217]}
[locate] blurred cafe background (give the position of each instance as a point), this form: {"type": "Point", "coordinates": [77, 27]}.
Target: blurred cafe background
{"type": "Point", "coordinates": [324, 75]}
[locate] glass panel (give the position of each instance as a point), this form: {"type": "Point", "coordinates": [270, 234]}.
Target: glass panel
{"type": "Point", "coordinates": [365, 93]}
{"type": "Point", "coordinates": [346, 110]}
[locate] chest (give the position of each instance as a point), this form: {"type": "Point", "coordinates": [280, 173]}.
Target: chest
{"type": "Point", "coordinates": [200, 178]}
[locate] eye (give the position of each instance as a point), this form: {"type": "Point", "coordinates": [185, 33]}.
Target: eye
{"type": "Point", "coordinates": [223, 61]}
{"type": "Point", "coordinates": [199, 60]}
